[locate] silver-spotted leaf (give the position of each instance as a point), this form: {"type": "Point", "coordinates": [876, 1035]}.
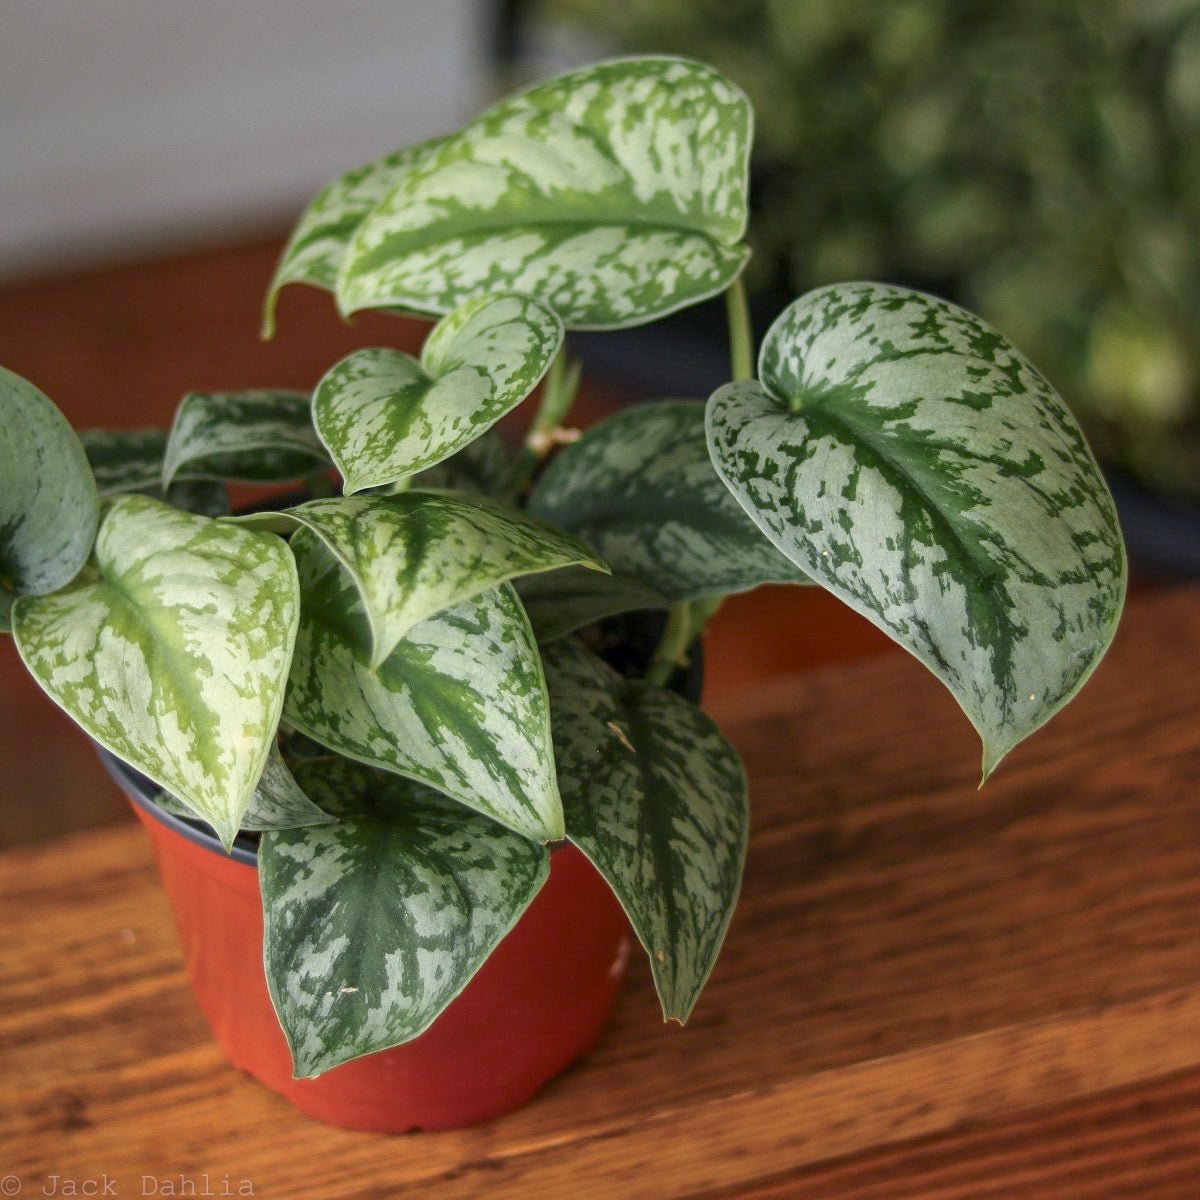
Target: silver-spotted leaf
{"type": "Point", "coordinates": [560, 602]}
{"type": "Point", "coordinates": [460, 704]}
{"type": "Point", "coordinates": [617, 192]}
{"type": "Point", "coordinates": [48, 502]}
{"type": "Point", "coordinates": [372, 926]}
{"type": "Point", "coordinates": [130, 460]}
{"type": "Point", "coordinates": [413, 555]}
{"type": "Point", "coordinates": [172, 650]}
{"type": "Point", "coordinates": [260, 436]}
{"type": "Point", "coordinates": [911, 460]}
{"type": "Point", "coordinates": [278, 802]}
{"type": "Point", "coordinates": [640, 488]}
{"type": "Point", "coordinates": [385, 416]}
{"type": "Point", "coordinates": [656, 798]}
{"type": "Point", "coordinates": [125, 460]}
{"type": "Point", "coordinates": [319, 242]}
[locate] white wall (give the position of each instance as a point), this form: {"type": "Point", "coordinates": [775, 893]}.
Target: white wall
{"type": "Point", "coordinates": [130, 125]}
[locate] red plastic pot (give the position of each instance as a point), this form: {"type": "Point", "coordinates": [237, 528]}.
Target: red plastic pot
{"type": "Point", "coordinates": [536, 1005]}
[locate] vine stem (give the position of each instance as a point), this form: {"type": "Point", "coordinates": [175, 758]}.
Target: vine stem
{"type": "Point", "coordinates": [741, 338]}
{"type": "Point", "coordinates": [672, 646]}
{"type": "Point", "coordinates": [558, 394]}
{"type": "Point", "coordinates": [685, 621]}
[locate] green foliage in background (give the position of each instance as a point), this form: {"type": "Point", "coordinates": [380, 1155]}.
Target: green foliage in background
{"type": "Point", "coordinates": [1039, 162]}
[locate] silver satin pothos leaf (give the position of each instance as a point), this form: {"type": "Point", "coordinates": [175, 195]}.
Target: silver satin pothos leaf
{"type": "Point", "coordinates": [259, 436]}
{"type": "Point", "coordinates": [386, 416]}
{"type": "Point", "coordinates": [48, 502]}
{"type": "Point", "coordinates": [560, 602]}
{"type": "Point", "coordinates": [908, 458]}
{"type": "Point", "coordinates": [415, 554]}
{"type": "Point", "coordinates": [130, 460]}
{"type": "Point", "coordinates": [278, 802]}
{"type": "Point", "coordinates": [125, 460]}
{"type": "Point", "coordinates": [172, 650]}
{"type": "Point", "coordinates": [372, 926]}
{"type": "Point", "coordinates": [617, 192]}
{"type": "Point", "coordinates": [319, 242]}
{"type": "Point", "coordinates": [460, 704]}
{"type": "Point", "coordinates": [656, 799]}
{"type": "Point", "coordinates": [641, 490]}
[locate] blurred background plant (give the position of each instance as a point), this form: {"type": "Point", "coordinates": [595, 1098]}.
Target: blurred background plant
{"type": "Point", "coordinates": [1037, 161]}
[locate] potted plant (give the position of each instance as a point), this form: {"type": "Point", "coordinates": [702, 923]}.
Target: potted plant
{"type": "Point", "coordinates": [416, 717]}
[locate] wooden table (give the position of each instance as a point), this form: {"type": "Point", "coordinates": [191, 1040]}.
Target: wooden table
{"type": "Point", "coordinates": [927, 990]}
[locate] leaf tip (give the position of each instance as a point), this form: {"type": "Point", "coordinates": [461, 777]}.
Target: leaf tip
{"type": "Point", "coordinates": [991, 760]}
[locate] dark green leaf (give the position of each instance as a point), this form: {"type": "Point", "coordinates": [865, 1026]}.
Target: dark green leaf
{"type": "Point", "coordinates": [48, 502]}
{"type": "Point", "coordinates": [253, 436]}
{"type": "Point", "coordinates": [373, 925]}
{"type": "Point", "coordinates": [656, 798]}
{"type": "Point", "coordinates": [640, 488]}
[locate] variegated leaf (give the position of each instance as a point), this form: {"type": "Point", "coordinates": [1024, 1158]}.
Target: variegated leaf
{"type": "Point", "coordinates": [385, 416]}
{"type": "Point", "coordinates": [172, 650]}
{"type": "Point", "coordinates": [278, 802]}
{"type": "Point", "coordinates": [460, 704]}
{"type": "Point", "coordinates": [559, 602]}
{"type": "Point", "coordinates": [656, 798]}
{"type": "Point", "coordinates": [125, 460]}
{"type": "Point", "coordinates": [130, 460]}
{"type": "Point", "coordinates": [617, 192]}
{"type": "Point", "coordinates": [413, 555]}
{"type": "Point", "coordinates": [641, 489]}
{"type": "Point", "coordinates": [48, 502]}
{"type": "Point", "coordinates": [318, 244]}
{"type": "Point", "coordinates": [907, 457]}
{"type": "Point", "coordinates": [372, 926]}
{"type": "Point", "coordinates": [482, 466]}
{"type": "Point", "coordinates": [256, 436]}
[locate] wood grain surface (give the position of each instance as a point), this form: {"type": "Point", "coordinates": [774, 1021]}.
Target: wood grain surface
{"type": "Point", "coordinates": [927, 990]}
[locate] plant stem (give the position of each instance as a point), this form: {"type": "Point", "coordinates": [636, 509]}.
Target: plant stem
{"type": "Point", "coordinates": [672, 646]}
{"type": "Point", "coordinates": [558, 394]}
{"type": "Point", "coordinates": [741, 338]}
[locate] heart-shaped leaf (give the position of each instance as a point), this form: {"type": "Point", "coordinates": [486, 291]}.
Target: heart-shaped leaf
{"type": "Point", "coordinates": [130, 460]}
{"type": "Point", "coordinates": [641, 489]}
{"type": "Point", "coordinates": [386, 416]}
{"type": "Point", "coordinates": [656, 798]}
{"type": "Point", "coordinates": [372, 926]}
{"type": "Point", "coordinates": [318, 244]}
{"type": "Point", "coordinates": [278, 801]}
{"type": "Point", "coordinates": [172, 650]}
{"type": "Point", "coordinates": [256, 436]}
{"type": "Point", "coordinates": [559, 602]}
{"type": "Point", "coordinates": [48, 502]}
{"type": "Point", "coordinates": [460, 703]}
{"type": "Point", "coordinates": [617, 192]}
{"type": "Point", "coordinates": [413, 555]}
{"type": "Point", "coordinates": [908, 458]}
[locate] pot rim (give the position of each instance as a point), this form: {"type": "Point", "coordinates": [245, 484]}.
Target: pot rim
{"type": "Point", "coordinates": [141, 792]}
